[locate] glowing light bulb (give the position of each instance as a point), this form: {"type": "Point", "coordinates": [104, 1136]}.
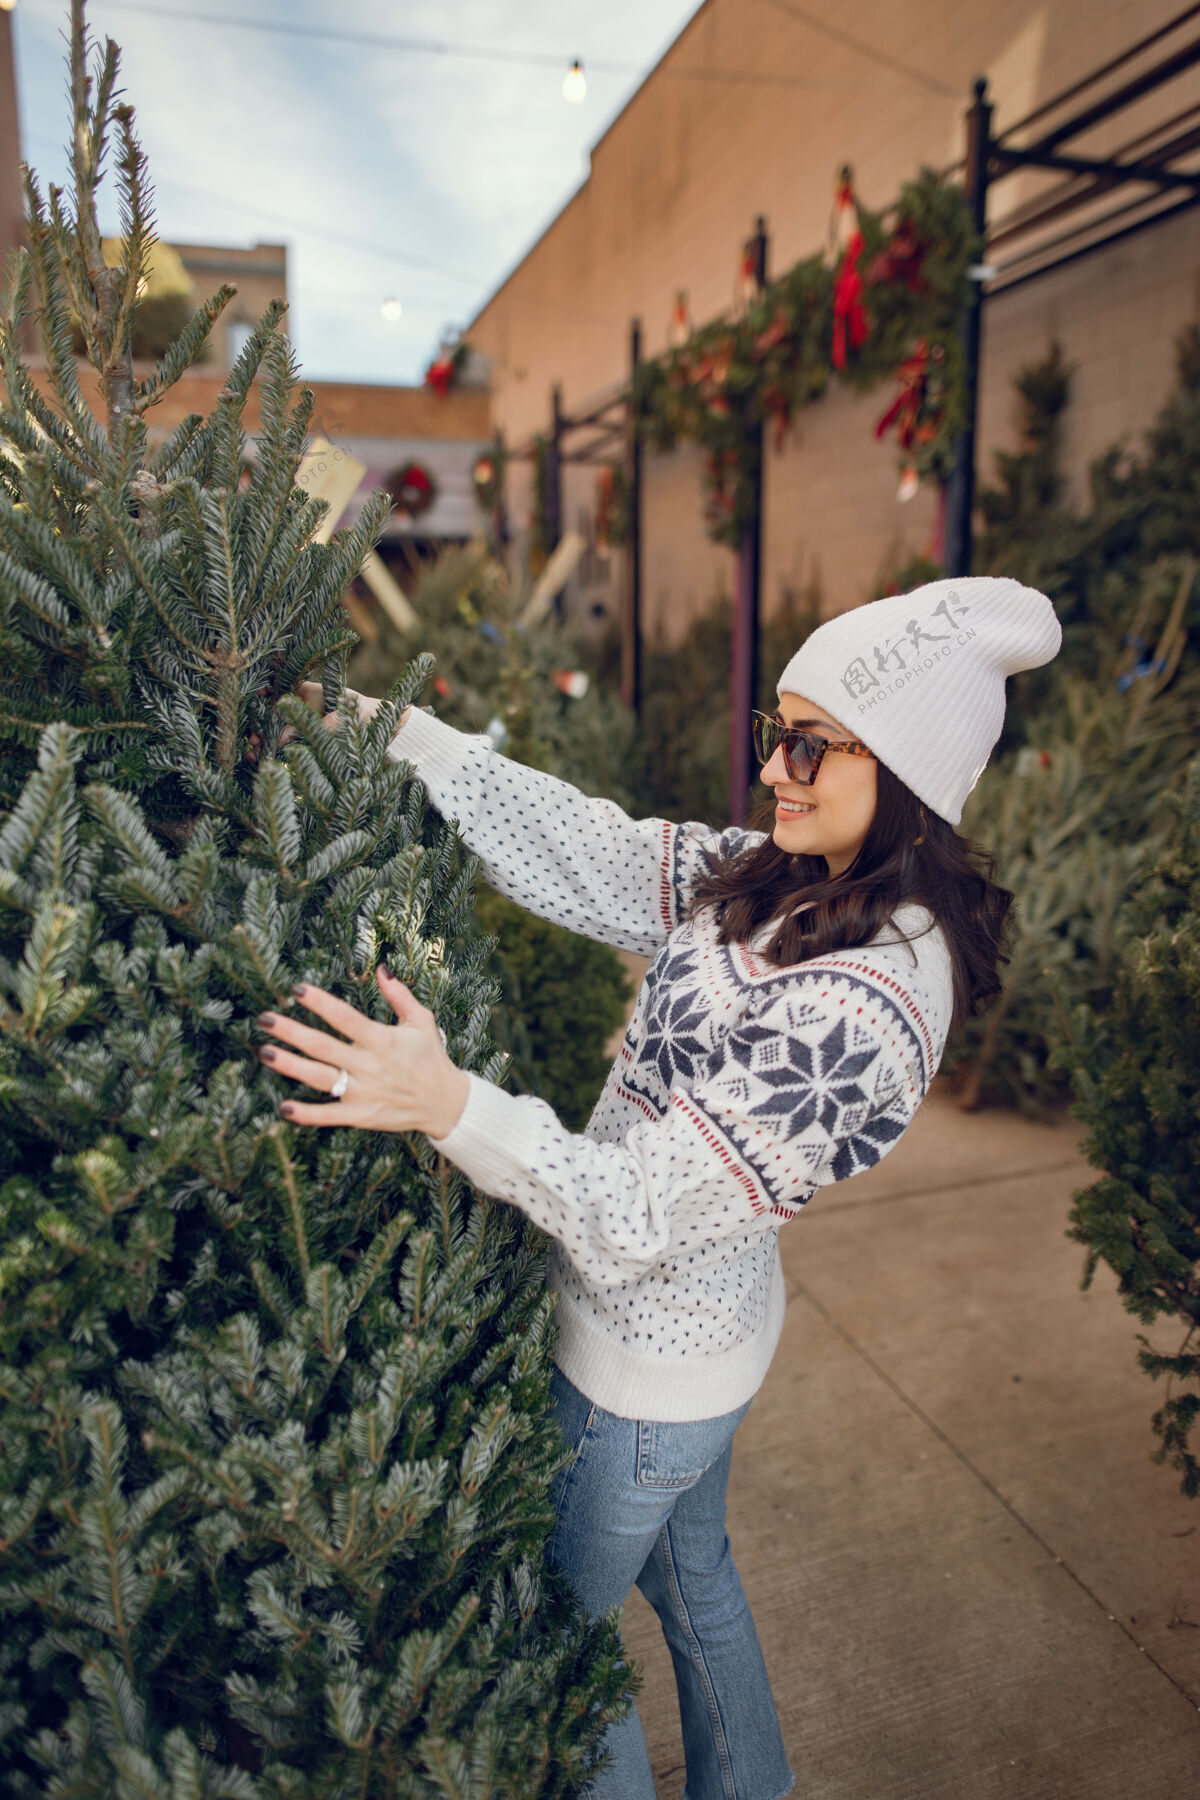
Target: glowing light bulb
{"type": "Point", "coordinates": [574, 85]}
{"type": "Point", "coordinates": [391, 309]}
{"type": "Point", "coordinates": [8, 5]}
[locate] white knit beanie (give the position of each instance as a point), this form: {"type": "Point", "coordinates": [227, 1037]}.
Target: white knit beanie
{"type": "Point", "coordinates": [919, 677]}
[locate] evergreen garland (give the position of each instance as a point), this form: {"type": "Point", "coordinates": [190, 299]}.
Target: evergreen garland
{"type": "Point", "coordinates": [613, 501]}
{"type": "Point", "coordinates": [274, 1404]}
{"type": "Point", "coordinates": [766, 366]}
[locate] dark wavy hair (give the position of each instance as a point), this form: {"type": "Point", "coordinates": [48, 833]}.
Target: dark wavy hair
{"type": "Point", "coordinates": [952, 878]}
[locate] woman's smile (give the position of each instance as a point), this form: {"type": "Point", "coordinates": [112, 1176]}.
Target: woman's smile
{"type": "Point", "coordinates": [842, 816]}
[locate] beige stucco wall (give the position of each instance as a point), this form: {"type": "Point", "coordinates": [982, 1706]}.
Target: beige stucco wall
{"type": "Point", "coordinates": [674, 189]}
{"type": "Point", "coordinates": [12, 228]}
{"type": "Point", "coordinates": [258, 271]}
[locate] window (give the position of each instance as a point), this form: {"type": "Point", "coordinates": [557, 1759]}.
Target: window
{"type": "Point", "coordinates": [237, 335]}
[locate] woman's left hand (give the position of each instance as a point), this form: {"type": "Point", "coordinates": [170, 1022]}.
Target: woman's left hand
{"type": "Point", "coordinates": [399, 1076]}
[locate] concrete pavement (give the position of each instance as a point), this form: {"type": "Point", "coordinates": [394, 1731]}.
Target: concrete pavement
{"type": "Point", "coordinates": [970, 1580]}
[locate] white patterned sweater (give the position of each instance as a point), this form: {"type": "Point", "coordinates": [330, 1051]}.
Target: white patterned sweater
{"type": "Point", "coordinates": [740, 1088]}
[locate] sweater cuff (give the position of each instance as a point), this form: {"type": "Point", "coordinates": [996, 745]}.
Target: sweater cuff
{"type": "Point", "coordinates": [440, 754]}
{"type": "Point", "coordinates": [476, 1145]}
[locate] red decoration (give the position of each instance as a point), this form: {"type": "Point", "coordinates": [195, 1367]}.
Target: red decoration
{"type": "Point", "coordinates": [843, 222]}
{"type": "Point", "coordinates": [680, 328]}
{"type": "Point", "coordinates": [442, 371]}
{"type": "Point", "coordinates": [849, 313]}
{"type": "Point", "coordinates": [748, 288]}
{"type": "Point", "coordinates": [439, 375]}
{"type": "Point", "coordinates": [906, 410]}
{"type": "Point", "coordinates": [775, 333]}
{"type": "Point", "coordinates": [850, 325]}
{"type": "Point", "coordinates": [709, 375]}
{"type": "Point", "coordinates": [901, 259]}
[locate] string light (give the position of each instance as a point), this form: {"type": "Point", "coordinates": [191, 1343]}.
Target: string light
{"type": "Point", "coordinates": [7, 5]}
{"type": "Point", "coordinates": [574, 85]}
{"type": "Point", "coordinates": [391, 309]}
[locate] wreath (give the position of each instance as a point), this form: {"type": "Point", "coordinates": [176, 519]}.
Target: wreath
{"type": "Point", "coordinates": [413, 489]}
{"type": "Point", "coordinates": [487, 473]}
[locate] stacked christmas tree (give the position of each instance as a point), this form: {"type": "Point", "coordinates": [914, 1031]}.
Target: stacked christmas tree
{"type": "Point", "coordinates": [273, 1497]}
{"type": "Point", "coordinates": [1136, 1077]}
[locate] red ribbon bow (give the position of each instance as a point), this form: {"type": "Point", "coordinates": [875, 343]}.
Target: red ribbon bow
{"type": "Point", "coordinates": [849, 314]}
{"type": "Point", "coordinates": [905, 409]}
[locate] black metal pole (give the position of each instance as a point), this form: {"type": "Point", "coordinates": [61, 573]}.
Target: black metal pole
{"type": "Point", "coordinates": [499, 508]}
{"type": "Point", "coordinates": [744, 649]}
{"type": "Point", "coordinates": [960, 489]}
{"type": "Point", "coordinates": [554, 484]}
{"type": "Point", "coordinates": [554, 472]}
{"type": "Point", "coordinates": [631, 599]}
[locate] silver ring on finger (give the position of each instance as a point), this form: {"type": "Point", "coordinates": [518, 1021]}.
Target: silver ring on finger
{"type": "Point", "coordinates": [341, 1083]}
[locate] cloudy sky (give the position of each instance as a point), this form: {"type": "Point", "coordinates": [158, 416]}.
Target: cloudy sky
{"type": "Point", "coordinates": [416, 173]}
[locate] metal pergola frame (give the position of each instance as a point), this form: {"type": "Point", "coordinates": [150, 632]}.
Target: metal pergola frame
{"type": "Point", "coordinates": [1028, 240]}
{"type": "Point", "coordinates": [1029, 243]}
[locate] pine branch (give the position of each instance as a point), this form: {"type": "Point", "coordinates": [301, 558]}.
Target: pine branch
{"type": "Point", "coordinates": [106, 330]}
{"type": "Point", "coordinates": [137, 224]}
{"type": "Point", "coordinates": [52, 274]}
{"type": "Point", "coordinates": [188, 346]}
{"type": "Point", "coordinates": [163, 462]}
{"type": "Point", "coordinates": [28, 418]}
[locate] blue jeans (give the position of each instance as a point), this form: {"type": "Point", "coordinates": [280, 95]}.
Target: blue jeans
{"type": "Point", "coordinates": [644, 1503]}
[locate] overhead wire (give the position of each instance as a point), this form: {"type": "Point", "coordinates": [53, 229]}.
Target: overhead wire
{"type": "Point", "coordinates": [816, 23]}
{"type": "Point", "coordinates": [438, 47]}
{"type": "Point", "coordinates": [364, 244]}
{"type": "Point", "coordinates": [369, 248]}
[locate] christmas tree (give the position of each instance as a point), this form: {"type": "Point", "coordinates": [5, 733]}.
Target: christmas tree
{"type": "Point", "coordinates": [1069, 817]}
{"type": "Point", "coordinates": [1141, 505]}
{"type": "Point", "coordinates": [1024, 517]}
{"type": "Point", "coordinates": [1136, 1076]}
{"type": "Point", "coordinates": [273, 1498]}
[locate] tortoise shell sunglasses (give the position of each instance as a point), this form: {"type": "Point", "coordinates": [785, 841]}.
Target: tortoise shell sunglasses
{"type": "Point", "coordinates": [803, 753]}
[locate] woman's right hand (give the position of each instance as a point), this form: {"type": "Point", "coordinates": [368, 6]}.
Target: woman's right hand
{"type": "Point", "coordinates": [313, 695]}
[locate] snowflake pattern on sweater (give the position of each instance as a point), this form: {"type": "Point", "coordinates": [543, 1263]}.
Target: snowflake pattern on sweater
{"type": "Point", "coordinates": [739, 1089]}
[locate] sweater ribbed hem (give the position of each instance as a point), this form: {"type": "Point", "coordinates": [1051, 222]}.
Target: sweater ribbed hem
{"type": "Point", "coordinates": [476, 1143]}
{"type": "Point", "coordinates": [604, 1367]}
{"type": "Point", "coordinates": [632, 1385]}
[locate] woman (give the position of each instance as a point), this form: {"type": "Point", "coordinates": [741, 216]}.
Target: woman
{"type": "Point", "coordinates": [800, 993]}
